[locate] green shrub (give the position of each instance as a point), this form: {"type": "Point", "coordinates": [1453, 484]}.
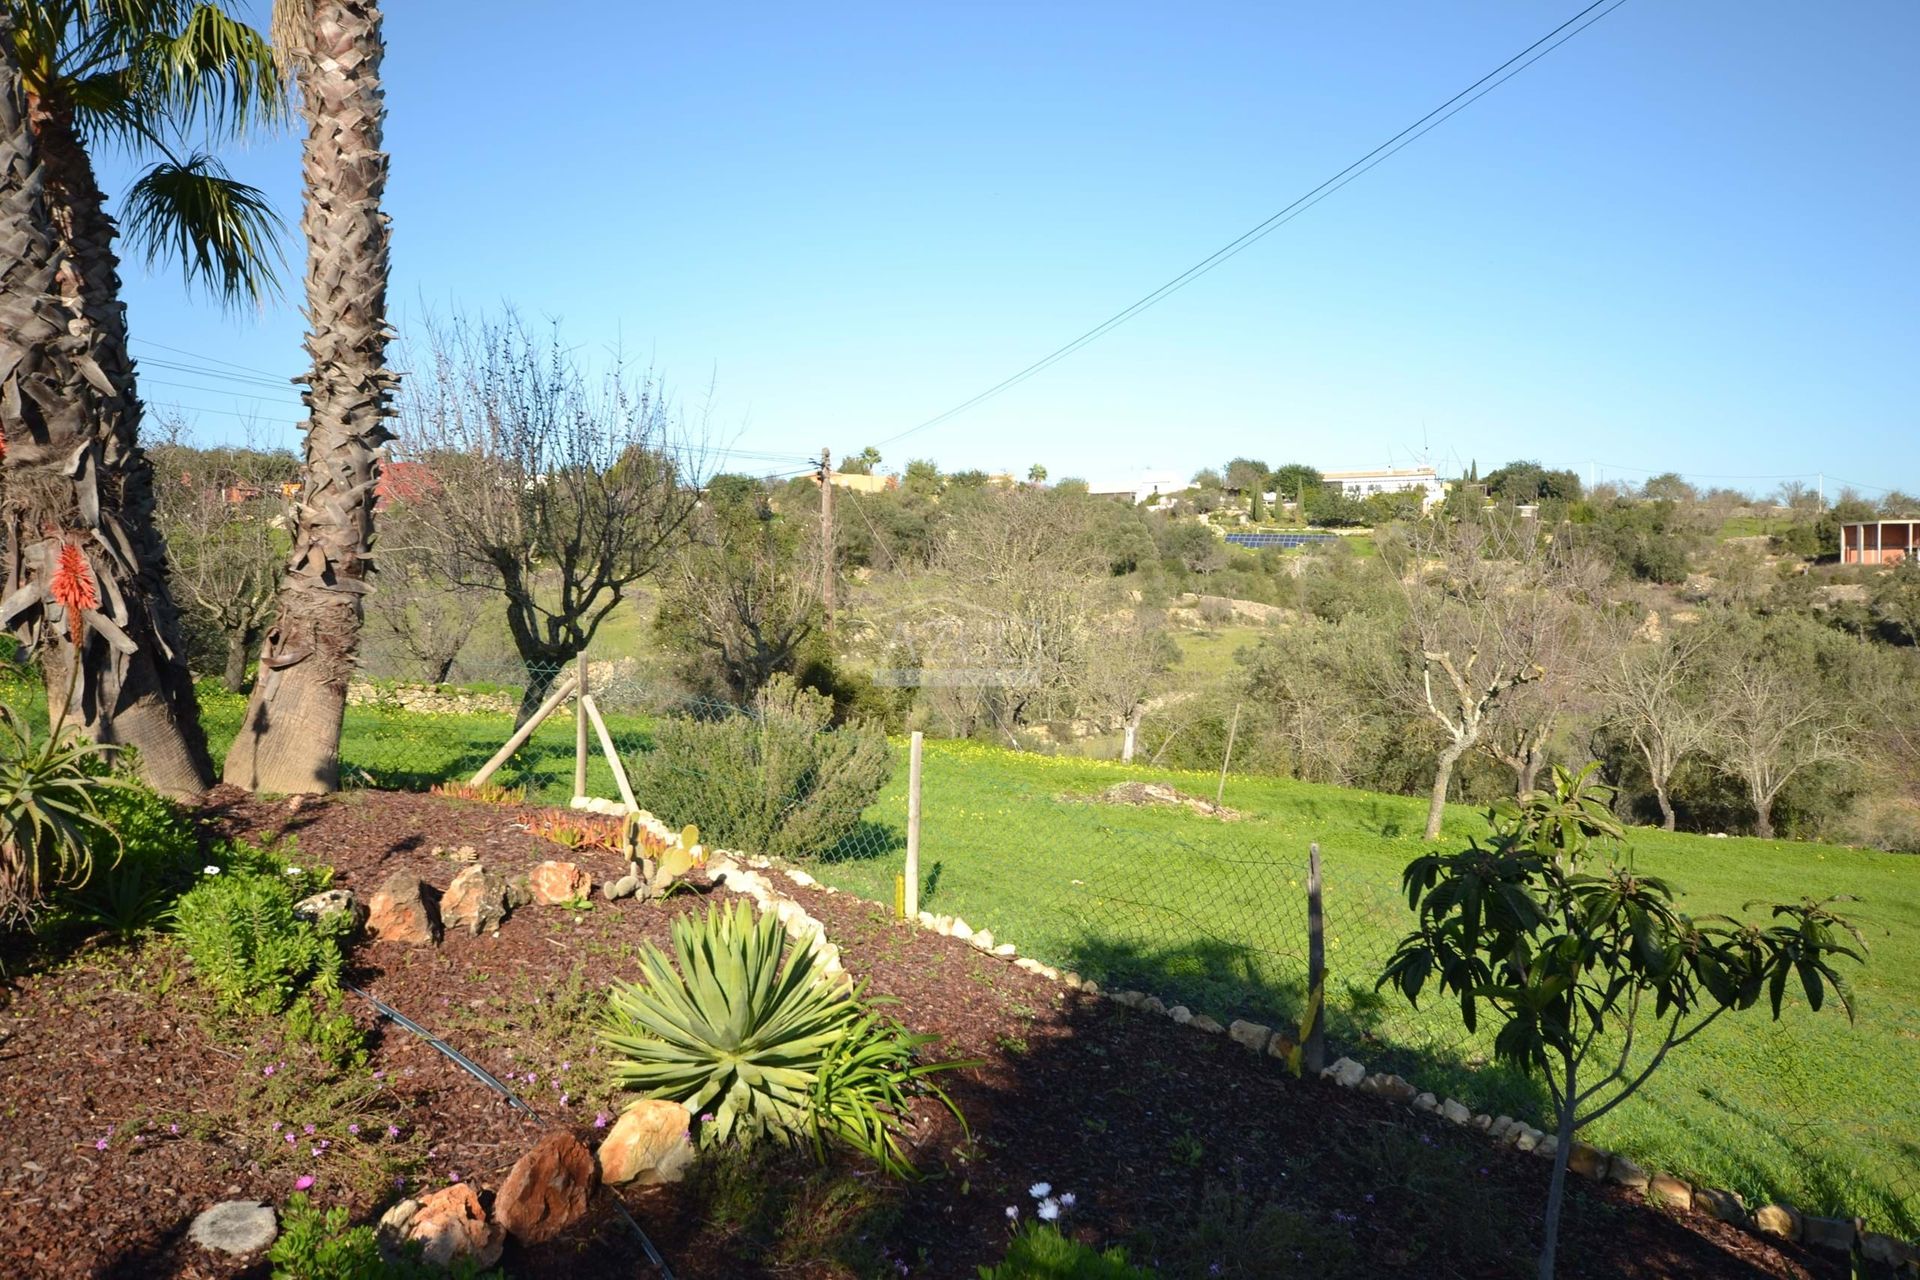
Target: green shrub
{"type": "Point", "coordinates": [246, 943]}
{"type": "Point", "coordinates": [51, 788]}
{"type": "Point", "coordinates": [778, 780]}
{"type": "Point", "coordinates": [150, 853]}
{"type": "Point", "coordinates": [321, 1246]}
{"type": "Point", "coordinates": [752, 1033]}
{"type": "Point", "coordinates": [1040, 1252]}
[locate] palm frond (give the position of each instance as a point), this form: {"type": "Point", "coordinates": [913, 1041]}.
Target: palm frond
{"type": "Point", "coordinates": [212, 70]}
{"type": "Point", "coordinates": [224, 233]}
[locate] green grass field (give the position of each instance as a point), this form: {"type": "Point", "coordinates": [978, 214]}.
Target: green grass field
{"type": "Point", "coordinates": [1812, 1110]}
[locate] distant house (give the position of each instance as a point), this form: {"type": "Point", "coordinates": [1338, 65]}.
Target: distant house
{"type": "Point", "coordinates": [1150, 485]}
{"type": "Point", "coordinates": [1360, 485]}
{"type": "Point", "coordinates": [1879, 541]}
{"type": "Point", "coordinates": [861, 482]}
{"type": "Point", "coordinates": [407, 481]}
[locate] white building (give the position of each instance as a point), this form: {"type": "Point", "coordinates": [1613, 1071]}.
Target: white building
{"type": "Point", "coordinates": [1364, 484]}
{"type": "Point", "coordinates": [1150, 485]}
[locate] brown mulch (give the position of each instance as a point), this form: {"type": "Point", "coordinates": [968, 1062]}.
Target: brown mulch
{"type": "Point", "coordinates": [1140, 1119]}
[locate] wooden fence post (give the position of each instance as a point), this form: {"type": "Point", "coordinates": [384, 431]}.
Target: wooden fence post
{"type": "Point", "coordinates": [1220, 793]}
{"type": "Point", "coordinates": [1314, 1050]}
{"type": "Point", "coordinates": [911, 906]}
{"type": "Point", "coordinates": [525, 731]}
{"type": "Point", "coordinates": [580, 749]}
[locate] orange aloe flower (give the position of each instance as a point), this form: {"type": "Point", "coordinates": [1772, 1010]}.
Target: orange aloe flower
{"type": "Point", "coordinates": [73, 587]}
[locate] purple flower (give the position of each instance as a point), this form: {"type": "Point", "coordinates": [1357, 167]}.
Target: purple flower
{"type": "Point", "coordinates": [307, 1129]}
{"type": "Point", "coordinates": [563, 1100]}
{"type": "Point", "coordinates": [317, 1150]}
{"type": "Point", "coordinates": [302, 1182]}
{"type": "Point", "coordinates": [600, 1120]}
{"type": "Point", "coordinates": [453, 1175]}
{"type": "Point", "coordinates": [100, 1145]}
{"type": "Point", "coordinates": [173, 1129]}
{"type": "Point", "coordinates": [532, 1078]}
{"type": "Point", "coordinates": [354, 1129]}
{"type": "Point", "coordinates": [266, 1071]}
{"type": "Point", "coordinates": [400, 1180]}
{"type": "Point", "coordinates": [290, 1139]}
{"type": "Point", "coordinates": [276, 1126]}
{"type": "Point", "coordinates": [393, 1131]}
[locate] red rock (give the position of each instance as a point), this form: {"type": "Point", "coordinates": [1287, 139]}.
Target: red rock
{"type": "Point", "coordinates": [397, 912]}
{"type": "Point", "coordinates": [451, 1224]}
{"type": "Point", "coordinates": [648, 1142]}
{"type": "Point", "coordinates": [476, 901]}
{"type": "Point", "coordinates": [555, 882]}
{"type": "Point", "coordinates": [547, 1191]}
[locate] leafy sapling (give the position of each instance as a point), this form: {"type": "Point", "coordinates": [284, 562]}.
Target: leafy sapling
{"type": "Point", "coordinates": [1590, 970]}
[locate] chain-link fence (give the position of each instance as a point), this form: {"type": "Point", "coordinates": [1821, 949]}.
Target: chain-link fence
{"type": "Point", "coordinates": [1154, 889]}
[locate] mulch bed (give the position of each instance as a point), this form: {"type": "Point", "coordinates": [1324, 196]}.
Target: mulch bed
{"type": "Point", "coordinates": [1151, 1126]}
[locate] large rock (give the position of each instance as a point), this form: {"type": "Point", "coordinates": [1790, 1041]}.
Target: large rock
{"type": "Point", "coordinates": [1781, 1220]}
{"type": "Point", "coordinates": [1664, 1188]}
{"type": "Point", "coordinates": [1346, 1073]}
{"type": "Point", "coordinates": [235, 1227]}
{"type": "Point", "coordinates": [553, 883]}
{"type": "Point", "coordinates": [476, 901]}
{"type": "Point", "coordinates": [1455, 1110]}
{"type": "Point", "coordinates": [1835, 1235]}
{"type": "Point", "coordinates": [450, 1224]}
{"type": "Point", "coordinates": [1724, 1205]}
{"type": "Point", "coordinates": [398, 913]}
{"type": "Point", "coordinates": [1628, 1174]}
{"type": "Point", "coordinates": [547, 1191]}
{"type": "Point", "coordinates": [1587, 1160]}
{"type": "Point", "coordinates": [1249, 1035]}
{"type": "Point", "coordinates": [331, 902]}
{"type": "Point", "coordinates": [648, 1143]}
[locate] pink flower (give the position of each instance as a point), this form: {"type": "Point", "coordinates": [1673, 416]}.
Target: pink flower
{"type": "Point", "coordinates": [100, 1145]}
{"type": "Point", "coordinates": [290, 1139]}
{"type": "Point", "coordinates": [453, 1176]}
{"type": "Point", "coordinates": [173, 1129]}
{"type": "Point", "coordinates": [317, 1150]}
{"type": "Point", "coordinates": [308, 1129]}
{"type": "Point", "coordinates": [393, 1131]}
{"type": "Point", "coordinates": [353, 1129]}
{"type": "Point", "coordinates": [302, 1182]}
{"type": "Point", "coordinates": [600, 1120]}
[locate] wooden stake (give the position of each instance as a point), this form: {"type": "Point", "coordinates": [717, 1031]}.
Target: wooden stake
{"type": "Point", "coordinates": [826, 538]}
{"type": "Point", "coordinates": [1314, 1051]}
{"type": "Point", "coordinates": [910, 908]}
{"type": "Point", "coordinates": [1232, 729]}
{"type": "Point", "coordinates": [525, 731]}
{"type": "Point", "coordinates": [613, 756]}
{"type": "Point", "coordinates": [580, 732]}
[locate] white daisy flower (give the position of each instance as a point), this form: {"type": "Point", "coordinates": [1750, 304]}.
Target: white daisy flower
{"type": "Point", "coordinates": [1049, 1209]}
{"type": "Point", "coordinates": [1013, 1212]}
{"type": "Point", "coordinates": [210, 869]}
{"type": "Point", "coordinates": [1067, 1199]}
{"type": "Point", "coordinates": [1040, 1190]}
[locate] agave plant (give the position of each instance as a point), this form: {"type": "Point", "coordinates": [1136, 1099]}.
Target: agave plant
{"type": "Point", "coordinates": [753, 1033]}
{"type": "Point", "coordinates": [50, 814]}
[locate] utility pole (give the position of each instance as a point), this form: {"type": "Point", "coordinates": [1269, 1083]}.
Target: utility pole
{"type": "Point", "coordinates": [826, 537]}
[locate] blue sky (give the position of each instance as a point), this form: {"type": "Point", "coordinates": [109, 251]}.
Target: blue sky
{"type": "Point", "coordinates": [1683, 241]}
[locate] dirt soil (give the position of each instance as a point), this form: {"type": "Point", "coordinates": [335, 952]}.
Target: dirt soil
{"type": "Point", "coordinates": [126, 1112]}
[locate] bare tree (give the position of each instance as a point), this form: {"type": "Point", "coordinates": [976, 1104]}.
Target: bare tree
{"type": "Point", "coordinates": [1774, 724]}
{"type": "Point", "coordinates": [560, 488]}
{"type": "Point", "coordinates": [1573, 660]}
{"type": "Point", "coordinates": [1654, 693]}
{"type": "Point", "coordinates": [742, 593]}
{"type": "Point", "coordinates": [1128, 650]}
{"type": "Point", "coordinates": [424, 598]}
{"type": "Point", "coordinates": [1488, 602]}
{"type": "Point", "coordinates": [224, 516]}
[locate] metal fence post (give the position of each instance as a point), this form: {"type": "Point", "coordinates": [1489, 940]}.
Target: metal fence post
{"type": "Point", "coordinates": [911, 904]}
{"type": "Point", "coordinates": [1314, 1051]}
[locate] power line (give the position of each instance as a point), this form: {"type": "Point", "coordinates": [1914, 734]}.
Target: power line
{"type": "Point", "coordinates": [244, 368]}
{"type": "Point", "coordinates": [1425, 124]}
{"type": "Point", "coordinates": [202, 371]}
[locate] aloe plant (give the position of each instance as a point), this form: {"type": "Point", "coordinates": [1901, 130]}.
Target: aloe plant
{"type": "Point", "coordinates": [751, 1034]}
{"type": "Point", "coordinates": [50, 814]}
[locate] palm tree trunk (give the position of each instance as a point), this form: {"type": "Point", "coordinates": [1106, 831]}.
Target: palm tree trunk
{"type": "Point", "coordinates": [290, 738]}
{"type": "Point", "coordinates": [76, 476]}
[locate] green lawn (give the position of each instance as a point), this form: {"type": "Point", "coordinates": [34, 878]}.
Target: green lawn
{"type": "Point", "coordinates": [1811, 1109]}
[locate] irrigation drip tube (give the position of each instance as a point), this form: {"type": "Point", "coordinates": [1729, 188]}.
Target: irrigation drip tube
{"type": "Point", "coordinates": [487, 1078]}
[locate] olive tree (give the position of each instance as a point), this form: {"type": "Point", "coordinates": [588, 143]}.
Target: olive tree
{"type": "Point", "coordinates": [561, 488]}
{"type": "Point", "coordinates": [1589, 969]}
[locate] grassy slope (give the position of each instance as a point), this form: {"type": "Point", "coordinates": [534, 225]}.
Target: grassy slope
{"type": "Point", "coordinates": [1809, 1109]}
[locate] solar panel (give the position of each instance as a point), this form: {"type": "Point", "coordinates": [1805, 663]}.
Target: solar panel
{"type": "Point", "coordinates": [1287, 541]}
